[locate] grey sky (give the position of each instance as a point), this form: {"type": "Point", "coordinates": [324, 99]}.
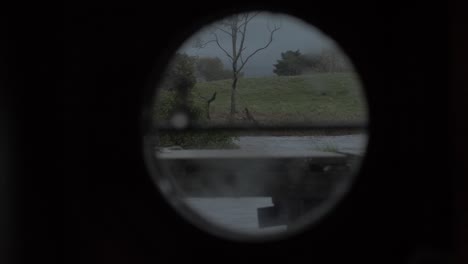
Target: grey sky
{"type": "Point", "coordinates": [293, 34]}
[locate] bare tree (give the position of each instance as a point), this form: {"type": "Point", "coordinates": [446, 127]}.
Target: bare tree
{"type": "Point", "coordinates": [235, 27]}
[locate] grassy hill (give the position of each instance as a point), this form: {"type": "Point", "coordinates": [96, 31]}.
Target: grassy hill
{"type": "Point", "coordinates": [274, 100]}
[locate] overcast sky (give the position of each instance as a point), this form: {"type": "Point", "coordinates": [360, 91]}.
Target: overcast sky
{"type": "Point", "coordinates": [293, 34]}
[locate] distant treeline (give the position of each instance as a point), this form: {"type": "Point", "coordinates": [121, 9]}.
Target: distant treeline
{"type": "Point", "coordinates": [295, 63]}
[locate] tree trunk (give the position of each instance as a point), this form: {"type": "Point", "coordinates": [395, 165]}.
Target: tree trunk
{"type": "Point", "coordinates": [234, 29]}
{"type": "Point", "coordinates": [233, 97]}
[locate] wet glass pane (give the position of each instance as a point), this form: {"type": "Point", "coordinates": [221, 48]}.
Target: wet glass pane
{"type": "Point", "coordinates": [258, 126]}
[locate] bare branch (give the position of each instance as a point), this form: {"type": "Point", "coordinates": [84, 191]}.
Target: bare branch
{"type": "Point", "coordinates": [221, 47]}
{"type": "Point", "coordinates": [243, 32]}
{"type": "Point", "coordinates": [241, 47]}
{"type": "Point", "coordinates": [201, 45]}
{"type": "Point", "coordinates": [240, 55]}
{"type": "Point", "coordinates": [247, 18]}
{"type": "Point", "coordinates": [257, 50]}
{"type": "Point", "coordinates": [223, 30]}
{"type": "Point", "coordinates": [274, 29]}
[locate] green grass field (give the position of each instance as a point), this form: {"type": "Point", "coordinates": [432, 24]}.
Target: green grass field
{"type": "Point", "coordinates": [316, 97]}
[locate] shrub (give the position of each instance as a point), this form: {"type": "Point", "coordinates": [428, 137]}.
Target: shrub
{"type": "Point", "coordinates": [178, 83]}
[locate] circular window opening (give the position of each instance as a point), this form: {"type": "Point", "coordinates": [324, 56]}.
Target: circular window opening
{"type": "Point", "coordinates": [257, 128]}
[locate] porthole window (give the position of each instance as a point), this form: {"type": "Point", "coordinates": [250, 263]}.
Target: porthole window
{"type": "Point", "coordinates": [257, 128]}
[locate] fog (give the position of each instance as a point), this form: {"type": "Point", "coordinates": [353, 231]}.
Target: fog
{"type": "Point", "coordinates": [294, 34]}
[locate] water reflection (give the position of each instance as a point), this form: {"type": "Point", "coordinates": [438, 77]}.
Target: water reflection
{"type": "Point", "coordinates": [266, 182]}
{"type": "Point", "coordinates": [237, 214]}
